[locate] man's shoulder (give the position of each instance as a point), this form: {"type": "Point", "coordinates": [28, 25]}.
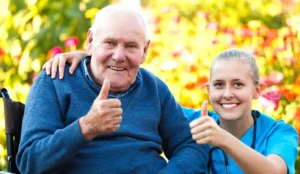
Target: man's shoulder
{"type": "Point", "coordinates": [147, 75]}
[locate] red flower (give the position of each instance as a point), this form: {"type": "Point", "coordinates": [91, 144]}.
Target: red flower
{"type": "Point", "coordinates": [191, 85]}
{"type": "Point", "coordinates": [2, 52]}
{"type": "Point", "coordinates": [297, 82]}
{"type": "Point", "coordinates": [71, 41]}
{"type": "Point", "coordinates": [176, 19]}
{"type": "Point", "coordinates": [202, 81]}
{"type": "Point", "coordinates": [272, 34]}
{"type": "Point", "coordinates": [191, 68]}
{"type": "Point", "coordinates": [54, 51]}
{"type": "Point", "coordinates": [297, 114]}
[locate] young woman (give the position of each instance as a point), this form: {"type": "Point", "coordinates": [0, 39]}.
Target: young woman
{"type": "Point", "coordinates": [241, 140]}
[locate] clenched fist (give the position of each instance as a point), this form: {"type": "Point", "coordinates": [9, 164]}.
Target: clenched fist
{"type": "Point", "coordinates": [104, 116]}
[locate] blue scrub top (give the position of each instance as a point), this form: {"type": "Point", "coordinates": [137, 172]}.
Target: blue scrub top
{"type": "Point", "coordinates": [272, 137]}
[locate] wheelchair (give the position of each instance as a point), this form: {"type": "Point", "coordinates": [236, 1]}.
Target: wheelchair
{"type": "Point", "coordinates": [13, 113]}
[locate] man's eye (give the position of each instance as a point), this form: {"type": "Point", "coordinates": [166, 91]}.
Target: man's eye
{"type": "Point", "coordinates": [131, 46]}
{"type": "Point", "coordinates": [109, 43]}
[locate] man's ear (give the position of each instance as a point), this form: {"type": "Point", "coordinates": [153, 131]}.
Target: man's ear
{"type": "Point", "coordinates": [145, 51]}
{"type": "Point", "coordinates": [89, 42]}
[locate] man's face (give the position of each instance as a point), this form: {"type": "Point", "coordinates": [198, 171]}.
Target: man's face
{"type": "Point", "coordinates": [117, 48]}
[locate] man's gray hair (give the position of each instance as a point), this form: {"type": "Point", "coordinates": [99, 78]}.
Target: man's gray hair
{"type": "Point", "coordinates": [114, 7]}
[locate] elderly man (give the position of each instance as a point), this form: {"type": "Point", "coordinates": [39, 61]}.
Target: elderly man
{"type": "Point", "coordinates": [110, 116]}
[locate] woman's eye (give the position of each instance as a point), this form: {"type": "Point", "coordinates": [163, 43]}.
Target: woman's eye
{"type": "Point", "coordinates": [218, 84]}
{"type": "Point", "coordinates": [238, 85]}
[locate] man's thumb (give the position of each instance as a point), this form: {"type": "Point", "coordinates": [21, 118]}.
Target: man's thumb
{"type": "Point", "coordinates": [104, 90]}
{"type": "Point", "coordinates": [204, 111]}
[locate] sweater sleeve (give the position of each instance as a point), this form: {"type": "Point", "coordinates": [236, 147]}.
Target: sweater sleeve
{"type": "Point", "coordinates": [185, 156]}
{"type": "Point", "coordinates": [46, 143]}
{"type": "Point", "coordinates": [284, 142]}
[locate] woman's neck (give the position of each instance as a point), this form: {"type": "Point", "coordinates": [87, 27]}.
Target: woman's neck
{"type": "Point", "coordinates": [237, 127]}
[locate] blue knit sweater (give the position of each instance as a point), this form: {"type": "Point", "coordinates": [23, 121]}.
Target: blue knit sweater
{"type": "Point", "coordinates": [152, 122]}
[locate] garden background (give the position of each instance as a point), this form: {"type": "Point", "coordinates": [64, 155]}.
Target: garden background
{"type": "Point", "coordinates": [185, 37]}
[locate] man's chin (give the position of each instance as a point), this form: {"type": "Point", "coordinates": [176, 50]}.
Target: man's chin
{"type": "Point", "coordinates": [117, 87]}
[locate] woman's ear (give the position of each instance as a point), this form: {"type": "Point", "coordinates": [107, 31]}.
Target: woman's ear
{"type": "Point", "coordinates": [258, 90]}
{"type": "Point", "coordinates": [208, 88]}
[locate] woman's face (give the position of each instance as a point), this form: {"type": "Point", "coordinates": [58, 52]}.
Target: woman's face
{"type": "Point", "coordinates": [231, 89]}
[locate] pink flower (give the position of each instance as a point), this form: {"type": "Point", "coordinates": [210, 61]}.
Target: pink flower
{"type": "Point", "coordinates": [246, 32]}
{"type": "Point", "coordinates": [275, 77]}
{"type": "Point", "coordinates": [270, 99]}
{"type": "Point", "coordinates": [55, 50]}
{"type": "Point", "coordinates": [71, 41]}
{"type": "Point", "coordinates": [228, 31]}
{"type": "Point", "coordinates": [213, 26]}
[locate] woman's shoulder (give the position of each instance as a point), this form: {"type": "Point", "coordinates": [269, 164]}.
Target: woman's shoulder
{"type": "Point", "coordinates": [270, 125]}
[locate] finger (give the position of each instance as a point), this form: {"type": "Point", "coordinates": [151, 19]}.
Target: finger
{"type": "Point", "coordinates": [74, 64]}
{"type": "Point", "coordinates": [199, 128]}
{"type": "Point", "coordinates": [48, 66]}
{"type": "Point", "coordinates": [200, 122]}
{"type": "Point", "coordinates": [44, 66]}
{"type": "Point", "coordinates": [115, 112]}
{"type": "Point", "coordinates": [204, 140]}
{"type": "Point", "coordinates": [54, 66]}
{"type": "Point", "coordinates": [116, 120]}
{"type": "Point", "coordinates": [204, 111]}
{"type": "Point", "coordinates": [61, 67]}
{"type": "Point", "coordinates": [104, 90]}
{"type": "Point", "coordinates": [115, 127]}
{"type": "Point", "coordinates": [199, 136]}
{"type": "Point", "coordinates": [194, 123]}
{"type": "Point", "coordinates": [114, 103]}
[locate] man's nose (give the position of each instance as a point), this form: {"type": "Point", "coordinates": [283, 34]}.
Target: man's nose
{"type": "Point", "coordinates": [119, 54]}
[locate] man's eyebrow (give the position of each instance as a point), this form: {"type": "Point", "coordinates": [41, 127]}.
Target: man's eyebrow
{"type": "Point", "coordinates": [110, 39]}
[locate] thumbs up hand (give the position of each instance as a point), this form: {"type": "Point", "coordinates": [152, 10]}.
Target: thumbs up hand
{"type": "Point", "coordinates": [205, 130]}
{"type": "Point", "coordinates": [104, 116]}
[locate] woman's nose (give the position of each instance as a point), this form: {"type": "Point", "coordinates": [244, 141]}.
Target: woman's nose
{"type": "Point", "coordinates": [228, 93]}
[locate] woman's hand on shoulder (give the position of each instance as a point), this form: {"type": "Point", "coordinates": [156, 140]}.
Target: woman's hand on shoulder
{"type": "Point", "coordinates": [59, 62]}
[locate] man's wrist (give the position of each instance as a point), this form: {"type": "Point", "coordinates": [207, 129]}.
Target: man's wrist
{"type": "Point", "coordinates": [86, 128]}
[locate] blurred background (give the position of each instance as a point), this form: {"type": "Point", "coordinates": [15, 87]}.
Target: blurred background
{"type": "Point", "coordinates": [185, 38]}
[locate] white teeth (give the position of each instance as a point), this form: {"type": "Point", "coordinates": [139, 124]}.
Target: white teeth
{"type": "Point", "coordinates": [116, 68]}
{"type": "Point", "coordinates": [229, 105]}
